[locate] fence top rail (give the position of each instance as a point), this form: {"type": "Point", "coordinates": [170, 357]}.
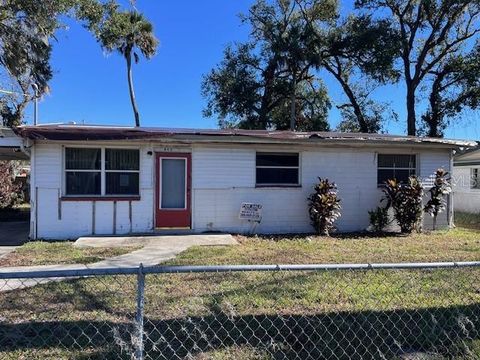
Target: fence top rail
{"type": "Point", "coordinates": [6, 273]}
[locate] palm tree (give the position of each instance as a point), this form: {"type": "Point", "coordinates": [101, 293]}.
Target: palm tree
{"type": "Point", "coordinates": [129, 33]}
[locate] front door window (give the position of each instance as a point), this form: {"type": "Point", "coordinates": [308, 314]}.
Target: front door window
{"type": "Point", "coordinates": [173, 175]}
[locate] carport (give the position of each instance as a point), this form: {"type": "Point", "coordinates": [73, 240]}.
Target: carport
{"type": "Point", "coordinates": [12, 148]}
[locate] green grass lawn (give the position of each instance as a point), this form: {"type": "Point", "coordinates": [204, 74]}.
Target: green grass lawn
{"type": "Point", "coordinates": [455, 245]}
{"type": "Point", "coordinates": [280, 315]}
{"type": "Point", "coordinates": [467, 220]}
{"type": "Point", "coordinates": [60, 252]}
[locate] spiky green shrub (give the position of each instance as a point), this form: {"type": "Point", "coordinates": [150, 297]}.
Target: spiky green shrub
{"type": "Point", "coordinates": [379, 218]}
{"type": "Point", "coordinates": [441, 188]}
{"type": "Point", "coordinates": [406, 201]}
{"type": "Point", "coordinates": [324, 206]}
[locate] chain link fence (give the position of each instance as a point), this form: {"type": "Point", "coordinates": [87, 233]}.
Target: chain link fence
{"type": "Point", "coordinates": [363, 311]}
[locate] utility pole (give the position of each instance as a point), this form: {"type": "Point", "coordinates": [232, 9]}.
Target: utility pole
{"type": "Point", "coordinates": [35, 104]}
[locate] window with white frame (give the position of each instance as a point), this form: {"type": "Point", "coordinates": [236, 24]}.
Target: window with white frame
{"type": "Point", "coordinates": [475, 178]}
{"type": "Point", "coordinates": [102, 171]}
{"type": "Point", "coordinates": [395, 166]}
{"type": "Point", "coordinates": [277, 169]}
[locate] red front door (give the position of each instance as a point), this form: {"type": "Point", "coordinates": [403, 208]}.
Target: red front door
{"type": "Point", "coordinates": [172, 209]}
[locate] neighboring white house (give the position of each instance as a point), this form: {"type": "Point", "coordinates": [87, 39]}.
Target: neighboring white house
{"type": "Point", "coordinates": [466, 176]}
{"type": "Point", "coordinates": [116, 180]}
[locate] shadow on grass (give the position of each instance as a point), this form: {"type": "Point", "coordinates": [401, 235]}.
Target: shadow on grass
{"type": "Point", "coordinates": [434, 333]}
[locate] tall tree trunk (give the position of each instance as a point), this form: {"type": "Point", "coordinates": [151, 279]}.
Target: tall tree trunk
{"type": "Point", "coordinates": [357, 110]}
{"type": "Point", "coordinates": [434, 117]}
{"type": "Point", "coordinates": [411, 117]}
{"type": "Point", "coordinates": [293, 99]}
{"type": "Point", "coordinates": [268, 75]}
{"type": "Point", "coordinates": [128, 57]}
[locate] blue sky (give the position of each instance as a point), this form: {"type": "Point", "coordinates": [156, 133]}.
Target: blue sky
{"type": "Point", "coordinates": [90, 86]}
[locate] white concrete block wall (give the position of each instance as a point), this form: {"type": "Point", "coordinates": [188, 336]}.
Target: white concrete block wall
{"type": "Point", "coordinates": [223, 178]}
{"type": "Point", "coordinates": [77, 216]}
{"type": "Point", "coordinates": [430, 161]}
{"type": "Point", "coordinates": [465, 198]}
{"type": "Point", "coordinates": [48, 166]}
{"type": "Point", "coordinates": [217, 203]}
{"type": "Point", "coordinates": [222, 168]}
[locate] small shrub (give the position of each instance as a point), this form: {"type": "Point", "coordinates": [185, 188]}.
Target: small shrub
{"type": "Point", "coordinates": [441, 187]}
{"type": "Point", "coordinates": [406, 201]}
{"type": "Point", "coordinates": [379, 218]}
{"type": "Point", "coordinates": [324, 206]}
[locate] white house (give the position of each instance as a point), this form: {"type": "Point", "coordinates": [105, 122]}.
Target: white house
{"type": "Point", "coordinates": [466, 175]}
{"type": "Point", "coordinates": [95, 180]}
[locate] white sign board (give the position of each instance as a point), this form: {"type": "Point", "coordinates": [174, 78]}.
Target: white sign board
{"type": "Point", "coordinates": [251, 212]}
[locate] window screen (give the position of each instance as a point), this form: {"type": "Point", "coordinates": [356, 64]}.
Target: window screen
{"type": "Point", "coordinates": [122, 171]}
{"type": "Point", "coordinates": [82, 171]}
{"type": "Point", "coordinates": [82, 159]}
{"type": "Point", "coordinates": [394, 166]}
{"type": "Point", "coordinates": [277, 169]}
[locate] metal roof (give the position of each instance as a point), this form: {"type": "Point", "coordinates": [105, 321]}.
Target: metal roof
{"type": "Point", "coordinates": [468, 157]}
{"type": "Point", "coordinates": [61, 132]}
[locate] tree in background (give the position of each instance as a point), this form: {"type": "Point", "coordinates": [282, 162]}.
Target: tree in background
{"type": "Point", "coordinates": [26, 30]}
{"type": "Point", "coordinates": [359, 53]}
{"type": "Point", "coordinates": [10, 193]}
{"type": "Point", "coordinates": [129, 33]}
{"type": "Point", "coordinates": [310, 109]}
{"type": "Point", "coordinates": [258, 82]}
{"type": "Point", "coordinates": [455, 86]}
{"type": "Point", "coordinates": [433, 33]}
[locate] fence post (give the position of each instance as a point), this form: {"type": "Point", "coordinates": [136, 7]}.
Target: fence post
{"type": "Point", "coordinates": [139, 314]}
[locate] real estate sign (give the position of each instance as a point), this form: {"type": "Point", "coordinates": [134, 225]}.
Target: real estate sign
{"type": "Point", "coordinates": [251, 212]}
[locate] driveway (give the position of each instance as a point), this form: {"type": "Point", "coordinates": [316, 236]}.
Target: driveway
{"type": "Point", "coordinates": [12, 234]}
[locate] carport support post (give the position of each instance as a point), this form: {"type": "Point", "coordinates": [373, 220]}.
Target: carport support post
{"type": "Point", "coordinates": [138, 342]}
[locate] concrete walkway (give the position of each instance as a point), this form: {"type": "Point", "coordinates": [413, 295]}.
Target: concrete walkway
{"type": "Point", "coordinates": [156, 249]}
{"type": "Point", "coordinates": [5, 250]}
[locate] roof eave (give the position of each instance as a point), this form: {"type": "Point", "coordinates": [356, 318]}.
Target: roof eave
{"type": "Point", "coordinates": [238, 139]}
